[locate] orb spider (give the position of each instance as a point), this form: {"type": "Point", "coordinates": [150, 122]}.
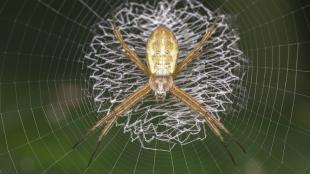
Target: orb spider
{"type": "Point", "coordinates": [161, 69]}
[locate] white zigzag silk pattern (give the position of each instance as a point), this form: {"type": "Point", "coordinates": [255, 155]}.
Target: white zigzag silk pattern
{"type": "Point", "coordinates": [213, 79]}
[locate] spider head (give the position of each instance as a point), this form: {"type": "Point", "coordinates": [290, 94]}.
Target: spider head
{"type": "Point", "coordinates": [160, 85]}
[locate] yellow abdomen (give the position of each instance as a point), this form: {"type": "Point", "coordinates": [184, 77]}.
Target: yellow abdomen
{"type": "Point", "coordinates": [162, 51]}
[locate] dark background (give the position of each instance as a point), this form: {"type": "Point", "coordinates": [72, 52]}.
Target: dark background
{"type": "Point", "coordinates": [44, 107]}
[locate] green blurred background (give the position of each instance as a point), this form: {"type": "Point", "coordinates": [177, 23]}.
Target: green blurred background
{"type": "Point", "coordinates": [44, 107]}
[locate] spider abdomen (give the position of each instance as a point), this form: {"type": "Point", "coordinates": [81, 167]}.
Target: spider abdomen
{"type": "Point", "coordinates": [162, 51]}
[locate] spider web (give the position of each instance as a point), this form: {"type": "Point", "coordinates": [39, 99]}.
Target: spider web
{"type": "Point", "coordinates": [46, 104]}
{"type": "Point", "coordinates": [209, 79]}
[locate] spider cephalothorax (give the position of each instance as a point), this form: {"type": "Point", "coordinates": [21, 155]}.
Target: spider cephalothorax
{"type": "Point", "coordinates": [161, 69]}
{"type": "Point", "coordinates": [160, 85]}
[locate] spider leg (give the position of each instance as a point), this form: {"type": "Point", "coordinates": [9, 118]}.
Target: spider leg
{"type": "Point", "coordinates": [110, 118]}
{"type": "Point", "coordinates": [222, 127]}
{"type": "Point", "coordinates": [130, 54]}
{"type": "Point", "coordinates": [214, 124]}
{"type": "Point", "coordinates": [104, 132]}
{"type": "Point", "coordinates": [195, 52]}
{"type": "Point", "coordinates": [104, 120]}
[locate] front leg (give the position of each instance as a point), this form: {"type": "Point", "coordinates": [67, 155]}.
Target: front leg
{"type": "Point", "coordinates": [109, 120]}
{"type": "Point", "coordinates": [214, 124]}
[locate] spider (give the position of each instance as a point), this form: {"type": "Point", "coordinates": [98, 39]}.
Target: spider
{"type": "Point", "coordinates": [161, 70]}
